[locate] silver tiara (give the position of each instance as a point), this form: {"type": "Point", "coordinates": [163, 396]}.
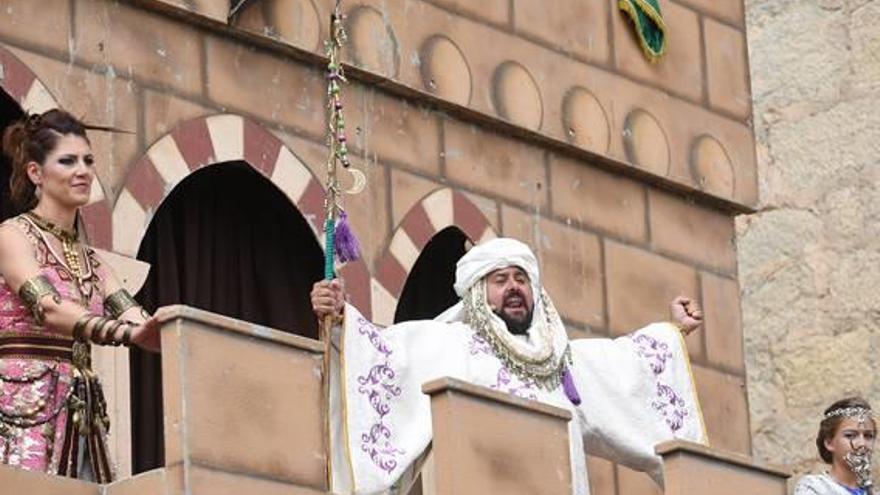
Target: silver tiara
{"type": "Point", "coordinates": [850, 412]}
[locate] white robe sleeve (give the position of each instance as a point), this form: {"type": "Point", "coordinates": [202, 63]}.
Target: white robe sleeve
{"type": "Point", "coordinates": [637, 391]}
{"type": "Point", "coordinates": [384, 420]}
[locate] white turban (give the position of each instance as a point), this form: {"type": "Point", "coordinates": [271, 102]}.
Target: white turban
{"type": "Point", "coordinates": [494, 255]}
{"type": "Point", "coordinates": [485, 258]}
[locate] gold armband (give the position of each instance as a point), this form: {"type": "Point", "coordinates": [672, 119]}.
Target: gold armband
{"type": "Point", "coordinates": [118, 303]}
{"type": "Point", "coordinates": [81, 325]}
{"type": "Point", "coordinates": [102, 331]}
{"type": "Point", "coordinates": [35, 289]}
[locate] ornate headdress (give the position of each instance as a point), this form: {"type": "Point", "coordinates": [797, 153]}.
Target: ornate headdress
{"type": "Point", "coordinates": [862, 414]}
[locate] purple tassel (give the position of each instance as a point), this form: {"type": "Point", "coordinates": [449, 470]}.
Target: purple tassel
{"type": "Point", "coordinates": [568, 386]}
{"type": "Point", "coordinates": [347, 246]}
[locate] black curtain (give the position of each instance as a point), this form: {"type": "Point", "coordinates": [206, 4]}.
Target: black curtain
{"type": "Point", "coordinates": [428, 288]}
{"type": "Point", "coordinates": [226, 240]}
{"type": "Point", "coordinates": [10, 111]}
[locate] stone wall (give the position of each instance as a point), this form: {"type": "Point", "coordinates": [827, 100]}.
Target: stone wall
{"type": "Point", "coordinates": [809, 259]}
{"type": "Point", "coordinates": [498, 116]}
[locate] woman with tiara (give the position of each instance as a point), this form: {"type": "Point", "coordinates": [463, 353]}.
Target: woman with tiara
{"type": "Point", "coordinates": [57, 298]}
{"type": "Point", "coordinates": [845, 442]}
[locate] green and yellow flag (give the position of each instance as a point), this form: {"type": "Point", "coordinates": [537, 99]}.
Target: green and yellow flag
{"type": "Point", "coordinates": [649, 25]}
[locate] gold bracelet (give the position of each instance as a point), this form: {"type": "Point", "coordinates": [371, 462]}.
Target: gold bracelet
{"type": "Point", "coordinates": [81, 325]}
{"type": "Point", "coordinates": [98, 336]}
{"type": "Point", "coordinates": [126, 334]}
{"type": "Point", "coordinates": [118, 303]}
{"type": "Point", "coordinates": [111, 334]}
{"type": "Point", "coordinates": [35, 289]}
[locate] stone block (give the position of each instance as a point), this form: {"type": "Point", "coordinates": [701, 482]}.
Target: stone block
{"type": "Point", "coordinates": [27, 21]}
{"type": "Point", "coordinates": [267, 86]}
{"type": "Point", "coordinates": [390, 130]}
{"type": "Point", "coordinates": [407, 190]}
{"type": "Point", "coordinates": [475, 453]}
{"type": "Point", "coordinates": [730, 11]}
{"type": "Point", "coordinates": [206, 481]}
{"type": "Point", "coordinates": [602, 478]}
{"type": "Point", "coordinates": [139, 44]}
{"type": "Point", "coordinates": [580, 28]}
{"type": "Point", "coordinates": [495, 165]}
{"type": "Point", "coordinates": [571, 267]}
{"type": "Point", "coordinates": [212, 9]}
{"type": "Point", "coordinates": [631, 482]}
{"type": "Point", "coordinates": [727, 68]}
{"type": "Point", "coordinates": [725, 409]}
{"type": "Point", "coordinates": [155, 482]}
{"type": "Point", "coordinates": [17, 480]}
{"type": "Point", "coordinates": [243, 398]}
{"type": "Point", "coordinates": [494, 11]}
{"type": "Point", "coordinates": [597, 198]}
{"type": "Point", "coordinates": [163, 112]}
{"type": "Point", "coordinates": [723, 323]}
{"type": "Point", "coordinates": [368, 210]}
{"type": "Point", "coordinates": [641, 285]}
{"type": "Point", "coordinates": [679, 71]}
{"type": "Point", "coordinates": [682, 228]}
{"type": "Point", "coordinates": [693, 468]}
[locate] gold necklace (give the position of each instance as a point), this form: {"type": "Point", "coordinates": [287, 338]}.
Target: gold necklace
{"type": "Point", "coordinates": [69, 242]}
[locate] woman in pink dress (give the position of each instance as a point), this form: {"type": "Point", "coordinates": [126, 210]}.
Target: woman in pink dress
{"type": "Point", "coordinates": [56, 298]}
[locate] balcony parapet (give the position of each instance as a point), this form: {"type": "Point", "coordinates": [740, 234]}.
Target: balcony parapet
{"type": "Point", "coordinates": [691, 468]}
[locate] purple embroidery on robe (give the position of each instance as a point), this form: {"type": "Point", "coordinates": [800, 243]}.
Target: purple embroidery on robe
{"type": "Point", "coordinates": [653, 351]}
{"type": "Point", "coordinates": [379, 385]}
{"type": "Point", "coordinates": [667, 402]}
{"type": "Point", "coordinates": [670, 406]}
{"type": "Point", "coordinates": [505, 382]}
{"type": "Point", "coordinates": [479, 345]}
{"type": "Point", "coordinates": [372, 332]}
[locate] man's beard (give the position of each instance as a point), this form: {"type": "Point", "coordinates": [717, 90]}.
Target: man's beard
{"type": "Point", "coordinates": [515, 326]}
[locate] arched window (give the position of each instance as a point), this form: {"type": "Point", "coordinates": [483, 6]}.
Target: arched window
{"type": "Point", "coordinates": [428, 288]}
{"type": "Point", "coordinates": [225, 240]}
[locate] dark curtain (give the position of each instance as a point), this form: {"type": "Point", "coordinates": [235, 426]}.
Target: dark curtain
{"type": "Point", "coordinates": [10, 111]}
{"type": "Point", "coordinates": [226, 240]}
{"type": "Point", "coordinates": [428, 288]}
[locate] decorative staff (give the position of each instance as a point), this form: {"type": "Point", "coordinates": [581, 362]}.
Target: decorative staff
{"type": "Point", "coordinates": [339, 240]}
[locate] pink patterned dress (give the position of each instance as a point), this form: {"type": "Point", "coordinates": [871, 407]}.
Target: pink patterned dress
{"type": "Point", "coordinates": [52, 412]}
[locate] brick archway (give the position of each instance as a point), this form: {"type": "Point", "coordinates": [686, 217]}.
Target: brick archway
{"type": "Point", "coordinates": [19, 82]}
{"type": "Point", "coordinates": [201, 142]}
{"type": "Point", "coordinates": [436, 211]}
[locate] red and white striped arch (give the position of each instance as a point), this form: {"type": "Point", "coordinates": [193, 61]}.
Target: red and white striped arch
{"type": "Point", "coordinates": [201, 142]}
{"type": "Point", "coordinates": [19, 82]}
{"type": "Point", "coordinates": [438, 210]}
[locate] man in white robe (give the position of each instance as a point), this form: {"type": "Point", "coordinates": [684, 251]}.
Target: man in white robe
{"type": "Point", "coordinates": [626, 395]}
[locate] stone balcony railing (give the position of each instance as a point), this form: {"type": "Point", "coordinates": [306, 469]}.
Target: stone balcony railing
{"type": "Point", "coordinates": [243, 415]}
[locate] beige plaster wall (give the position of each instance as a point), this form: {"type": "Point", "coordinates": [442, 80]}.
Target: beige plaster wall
{"type": "Point", "coordinates": [808, 259]}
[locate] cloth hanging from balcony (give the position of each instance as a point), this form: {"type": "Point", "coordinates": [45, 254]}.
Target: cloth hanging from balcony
{"type": "Point", "coordinates": [638, 390]}
{"type": "Point", "coordinates": [648, 24]}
